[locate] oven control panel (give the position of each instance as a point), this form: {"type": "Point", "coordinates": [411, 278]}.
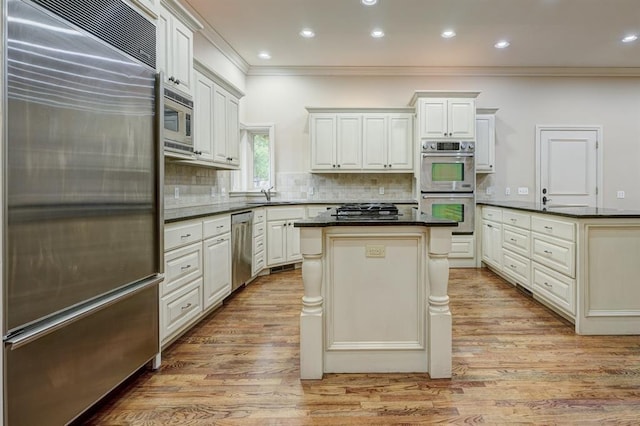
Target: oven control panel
{"type": "Point", "coordinates": [434, 146]}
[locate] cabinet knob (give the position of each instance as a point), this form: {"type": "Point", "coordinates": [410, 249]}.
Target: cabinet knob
{"type": "Point", "coordinates": [177, 81]}
{"type": "Point", "coordinates": [491, 166]}
{"type": "Point", "coordinates": [389, 165]}
{"type": "Point", "coordinates": [172, 79]}
{"type": "Point", "coordinates": [334, 166]}
{"type": "Point", "coordinates": [338, 165]}
{"type": "Point", "coordinates": [385, 166]}
{"type": "Point", "coordinates": [445, 133]}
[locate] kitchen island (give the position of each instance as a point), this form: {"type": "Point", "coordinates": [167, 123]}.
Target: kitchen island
{"type": "Point", "coordinates": [375, 294]}
{"type": "Point", "coordinates": [582, 262]}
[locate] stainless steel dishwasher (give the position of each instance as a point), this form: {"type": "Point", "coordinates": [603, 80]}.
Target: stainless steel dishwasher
{"type": "Point", "coordinates": [241, 246]}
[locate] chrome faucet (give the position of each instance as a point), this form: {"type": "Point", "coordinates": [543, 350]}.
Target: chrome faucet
{"type": "Point", "coordinates": [267, 193]}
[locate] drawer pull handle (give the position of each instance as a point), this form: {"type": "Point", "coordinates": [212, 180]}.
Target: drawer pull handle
{"type": "Point", "coordinates": [513, 239]}
{"type": "Point", "coordinates": [219, 226]}
{"type": "Point", "coordinates": [513, 220]}
{"type": "Point", "coordinates": [546, 284]}
{"type": "Point", "coordinates": [185, 267]}
{"type": "Point", "coordinates": [548, 252]}
{"type": "Point", "coordinates": [220, 240]}
{"type": "Point", "coordinates": [187, 306]}
{"type": "Point", "coordinates": [513, 266]}
{"type": "Point", "coordinates": [549, 228]}
{"type": "Point", "coordinates": [185, 236]}
{"type": "Point", "coordinates": [489, 226]}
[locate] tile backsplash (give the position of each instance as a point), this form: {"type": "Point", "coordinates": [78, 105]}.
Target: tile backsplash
{"type": "Point", "coordinates": [201, 186]}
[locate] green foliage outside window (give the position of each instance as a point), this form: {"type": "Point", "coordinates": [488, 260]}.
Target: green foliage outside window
{"type": "Point", "coordinates": [261, 161]}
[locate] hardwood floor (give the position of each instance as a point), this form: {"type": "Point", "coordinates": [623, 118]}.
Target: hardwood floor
{"type": "Point", "coordinates": [514, 361]}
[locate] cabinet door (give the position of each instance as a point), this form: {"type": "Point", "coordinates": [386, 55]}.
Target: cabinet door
{"type": "Point", "coordinates": [276, 242]}
{"type": "Point", "coordinates": [461, 118]}
{"type": "Point", "coordinates": [217, 269]}
{"type": "Point", "coordinates": [492, 243]}
{"type": "Point", "coordinates": [323, 141]}
{"type": "Point", "coordinates": [163, 40]}
{"type": "Point", "coordinates": [182, 49]}
{"type": "Point", "coordinates": [485, 143]}
{"type": "Point", "coordinates": [220, 97]}
{"type": "Point", "coordinates": [375, 136]}
{"type": "Point", "coordinates": [349, 142]}
{"type": "Point", "coordinates": [400, 144]}
{"type": "Point", "coordinates": [433, 123]}
{"type": "Point", "coordinates": [203, 110]}
{"type": "Point", "coordinates": [293, 243]}
{"type": "Point", "coordinates": [233, 131]}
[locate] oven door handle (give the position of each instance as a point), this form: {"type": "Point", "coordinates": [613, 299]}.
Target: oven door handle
{"type": "Point", "coordinates": [447, 195]}
{"type": "Point", "coordinates": [443, 154]}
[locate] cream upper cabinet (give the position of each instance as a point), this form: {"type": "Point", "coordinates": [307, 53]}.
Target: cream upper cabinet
{"type": "Point", "coordinates": [446, 114]}
{"type": "Point", "coordinates": [175, 51]}
{"type": "Point", "coordinates": [387, 141]}
{"type": "Point", "coordinates": [203, 111]}
{"type": "Point", "coordinates": [447, 118]}
{"type": "Point", "coordinates": [485, 140]}
{"type": "Point", "coordinates": [336, 141]}
{"type": "Point", "coordinates": [216, 110]}
{"type": "Point", "coordinates": [361, 140]}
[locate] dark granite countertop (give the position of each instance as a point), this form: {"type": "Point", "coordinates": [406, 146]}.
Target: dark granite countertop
{"type": "Point", "coordinates": [184, 213]}
{"type": "Point", "coordinates": [409, 216]}
{"type": "Point", "coordinates": [567, 211]}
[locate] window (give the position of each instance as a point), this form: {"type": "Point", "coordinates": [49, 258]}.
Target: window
{"type": "Point", "coordinates": [257, 165]}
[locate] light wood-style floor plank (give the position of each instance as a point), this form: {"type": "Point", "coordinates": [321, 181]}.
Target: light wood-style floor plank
{"type": "Point", "coordinates": [514, 361]}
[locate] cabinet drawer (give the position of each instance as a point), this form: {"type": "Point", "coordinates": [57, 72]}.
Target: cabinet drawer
{"type": "Point", "coordinates": [216, 226]}
{"type": "Point", "coordinates": [258, 262]}
{"type": "Point", "coordinates": [259, 215]}
{"type": "Point", "coordinates": [258, 244]}
{"type": "Point", "coordinates": [181, 266]}
{"type": "Point", "coordinates": [182, 233]}
{"type": "Point", "coordinates": [516, 239]}
{"type": "Point", "coordinates": [258, 229]}
{"type": "Point", "coordinates": [462, 247]}
{"type": "Point", "coordinates": [490, 213]}
{"type": "Point", "coordinates": [555, 253]}
{"type": "Point", "coordinates": [510, 217]}
{"type": "Point", "coordinates": [517, 267]}
{"type": "Point", "coordinates": [181, 308]}
{"type": "Point", "coordinates": [553, 227]}
{"type": "Point", "coordinates": [284, 213]}
{"type": "Point", "coordinates": [556, 288]}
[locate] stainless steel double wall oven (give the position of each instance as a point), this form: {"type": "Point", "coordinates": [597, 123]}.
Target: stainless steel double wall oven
{"type": "Point", "coordinates": [447, 182]}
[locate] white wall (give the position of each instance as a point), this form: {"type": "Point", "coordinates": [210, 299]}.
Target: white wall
{"type": "Point", "coordinates": [523, 102]}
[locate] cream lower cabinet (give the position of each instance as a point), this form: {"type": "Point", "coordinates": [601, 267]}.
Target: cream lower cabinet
{"type": "Point", "coordinates": [492, 237]}
{"type": "Point", "coordinates": [283, 239]}
{"type": "Point", "coordinates": [216, 250]}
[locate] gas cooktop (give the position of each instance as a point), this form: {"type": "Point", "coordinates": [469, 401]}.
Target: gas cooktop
{"type": "Point", "coordinates": [382, 210]}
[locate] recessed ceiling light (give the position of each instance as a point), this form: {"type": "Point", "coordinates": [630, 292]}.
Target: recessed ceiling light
{"type": "Point", "coordinates": [630, 38]}
{"type": "Point", "coordinates": [377, 33]}
{"type": "Point", "coordinates": [264, 55]}
{"type": "Point", "coordinates": [307, 33]}
{"type": "Point", "coordinates": [502, 44]}
{"type": "Point", "coordinates": [448, 34]}
{"type": "Point", "coordinates": [369, 2]}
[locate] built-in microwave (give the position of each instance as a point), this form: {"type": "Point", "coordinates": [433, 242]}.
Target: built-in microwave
{"type": "Point", "coordinates": [457, 207]}
{"type": "Point", "coordinates": [178, 122]}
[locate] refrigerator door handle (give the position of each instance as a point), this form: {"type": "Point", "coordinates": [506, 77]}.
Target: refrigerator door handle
{"type": "Point", "coordinates": [20, 339]}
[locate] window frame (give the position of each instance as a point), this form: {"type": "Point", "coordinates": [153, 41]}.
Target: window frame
{"type": "Point", "coordinates": [243, 178]}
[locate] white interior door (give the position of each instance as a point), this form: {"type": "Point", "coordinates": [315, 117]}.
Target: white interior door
{"type": "Point", "coordinates": [568, 166]}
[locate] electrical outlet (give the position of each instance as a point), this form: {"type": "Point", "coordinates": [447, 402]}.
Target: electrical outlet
{"type": "Point", "coordinates": [176, 193]}
{"type": "Point", "coordinates": [507, 191]}
{"type": "Point", "coordinates": [381, 190]}
{"type": "Point", "coordinates": [523, 190]}
{"type": "Point", "coordinates": [620, 194]}
{"type": "Point", "coordinates": [374, 251]}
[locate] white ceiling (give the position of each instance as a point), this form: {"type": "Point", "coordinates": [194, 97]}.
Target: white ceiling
{"type": "Point", "coordinates": [542, 33]}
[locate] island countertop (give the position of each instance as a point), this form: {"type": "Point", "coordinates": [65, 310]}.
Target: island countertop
{"type": "Point", "coordinates": [576, 212]}
{"type": "Point", "coordinates": [408, 216]}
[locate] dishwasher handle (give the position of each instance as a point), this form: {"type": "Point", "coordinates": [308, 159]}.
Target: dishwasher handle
{"type": "Point", "coordinates": [242, 217]}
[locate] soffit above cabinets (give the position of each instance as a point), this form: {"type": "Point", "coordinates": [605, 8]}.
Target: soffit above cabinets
{"type": "Point", "coordinates": [545, 35]}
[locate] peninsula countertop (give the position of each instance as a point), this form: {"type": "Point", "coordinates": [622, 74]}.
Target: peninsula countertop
{"type": "Point", "coordinates": [576, 212]}
{"type": "Point", "coordinates": [408, 216]}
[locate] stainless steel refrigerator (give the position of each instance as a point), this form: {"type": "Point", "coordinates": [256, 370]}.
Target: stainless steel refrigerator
{"type": "Point", "coordinates": [83, 206]}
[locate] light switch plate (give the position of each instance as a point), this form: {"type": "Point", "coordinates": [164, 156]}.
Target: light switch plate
{"type": "Point", "coordinates": [507, 191]}
{"type": "Point", "coordinates": [176, 193]}
{"type": "Point", "coordinates": [620, 194]}
{"type": "Point", "coordinates": [523, 190]}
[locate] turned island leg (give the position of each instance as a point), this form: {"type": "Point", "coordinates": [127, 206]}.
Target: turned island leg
{"type": "Point", "coordinates": [439, 313]}
{"type": "Point", "coordinates": [311, 317]}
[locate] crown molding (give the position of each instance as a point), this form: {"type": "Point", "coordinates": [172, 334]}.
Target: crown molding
{"type": "Point", "coordinates": [177, 9]}
{"type": "Point", "coordinates": [445, 71]}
